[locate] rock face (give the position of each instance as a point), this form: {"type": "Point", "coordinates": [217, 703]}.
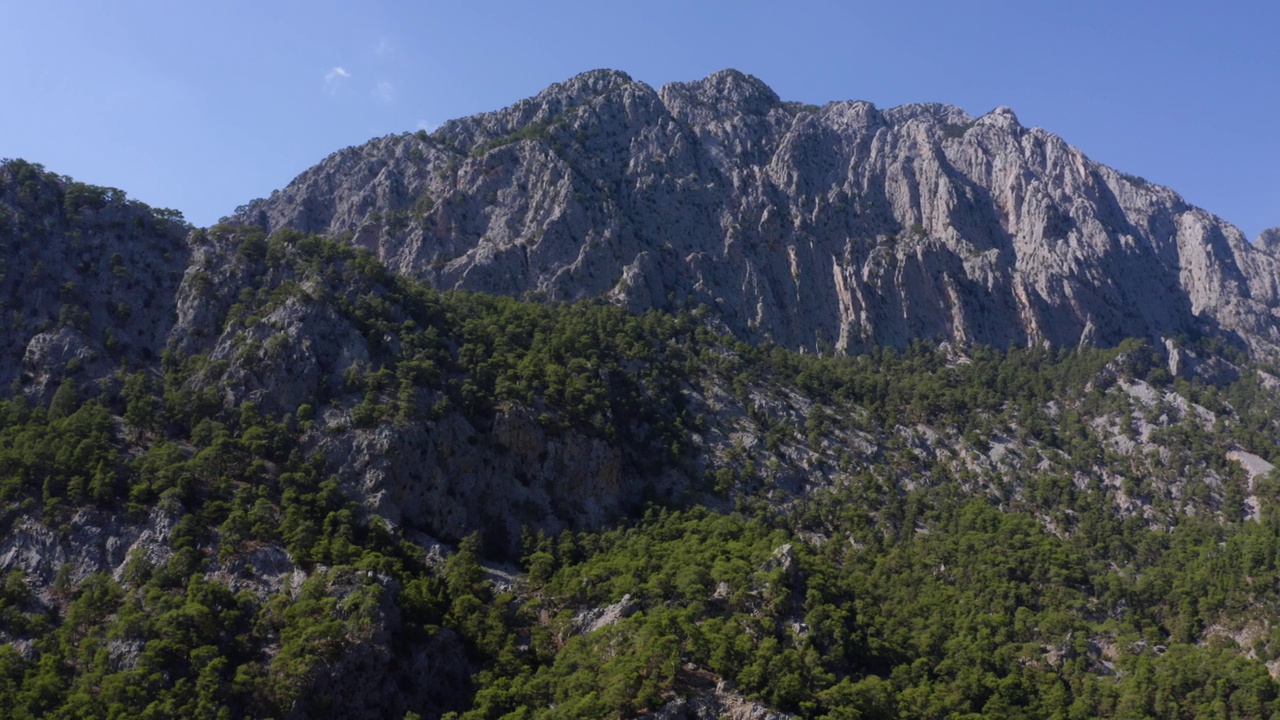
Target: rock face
{"type": "Point", "coordinates": [715, 703]}
{"type": "Point", "coordinates": [451, 478]}
{"type": "Point", "coordinates": [841, 227]}
{"type": "Point", "coordinates": [87, 279]}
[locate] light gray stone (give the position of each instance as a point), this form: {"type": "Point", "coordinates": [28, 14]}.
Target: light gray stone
{"type": "Point", "coordinates": [842, 227]}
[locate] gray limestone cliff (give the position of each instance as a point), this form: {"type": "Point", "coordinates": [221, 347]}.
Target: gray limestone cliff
{"type": "Point", "coordinates": [844, 226]}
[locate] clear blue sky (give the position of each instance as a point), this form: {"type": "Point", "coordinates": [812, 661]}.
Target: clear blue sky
{"type": "Point", "coordinates": [203, 106]}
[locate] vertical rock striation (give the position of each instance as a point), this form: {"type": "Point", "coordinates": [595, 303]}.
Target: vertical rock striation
{"type": "Point", "coordinates": [841, 227]}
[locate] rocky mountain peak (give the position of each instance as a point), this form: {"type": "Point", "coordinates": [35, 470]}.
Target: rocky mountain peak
{"type": "Point", "coordinates": [726, 92]}
{"type": "Point", "coordinates": [581, 88]}
{"type": "Point", "coordinates": [837, 228]}
{"type": "Point", "coordinates": [540, 111]}
{"type": "Point", "coordinates": [1002, 117]}
{"type": "Point", "coordinates": [1269, 241]}
{"type": "Point", "coordinates": [938, 113]}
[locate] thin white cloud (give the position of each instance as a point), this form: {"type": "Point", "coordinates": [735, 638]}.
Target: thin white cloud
{"type": "Point", "coordinates": [384, 48]}
{"type": "Point", "coordinates": [427, 125]}
{"type": "Point", "coordinates": [334, 78]}
{"type": "Point", "coordinates": [384, 92]}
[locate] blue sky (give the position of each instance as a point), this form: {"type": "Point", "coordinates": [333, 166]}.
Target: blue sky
{"type": "Point", "coordinates": [203, 106]}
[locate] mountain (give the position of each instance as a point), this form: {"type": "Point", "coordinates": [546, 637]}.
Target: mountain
{"type": "Point", "coordinates": [301, 465]}
{"type": "Point", "coordinates": [841, 227]}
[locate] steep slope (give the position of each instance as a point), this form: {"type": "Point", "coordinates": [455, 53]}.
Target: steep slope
{"type": "Point", "coordinates": [88, 279]}
{"type": "Point", "coordinates": [845, 226]}
{"type": "Point", "coordinates": [243, 512]}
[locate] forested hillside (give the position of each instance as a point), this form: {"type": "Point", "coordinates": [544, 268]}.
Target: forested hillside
{"type": "Point", "coordinates": [329, 490]}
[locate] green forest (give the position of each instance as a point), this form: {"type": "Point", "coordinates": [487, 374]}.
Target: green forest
{"type": "Point", "coordinates": [916, 584]}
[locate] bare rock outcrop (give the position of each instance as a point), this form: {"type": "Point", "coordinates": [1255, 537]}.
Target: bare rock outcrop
{"type": "Point", "coordinates": [594, 619]}
{"type": "Point", "coordinates": [715, 701]}
{"type": "Point", "coordinates": [449, 477]}
{"type": "Point", "coordinates": [838, 227]}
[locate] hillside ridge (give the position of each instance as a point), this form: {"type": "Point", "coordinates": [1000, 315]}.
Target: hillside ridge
{"type": "Point", "coordinates": [252, 475]}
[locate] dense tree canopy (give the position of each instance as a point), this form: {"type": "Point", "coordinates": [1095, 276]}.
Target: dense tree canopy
{"type": "Point", "coordinates": [911, 588]}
